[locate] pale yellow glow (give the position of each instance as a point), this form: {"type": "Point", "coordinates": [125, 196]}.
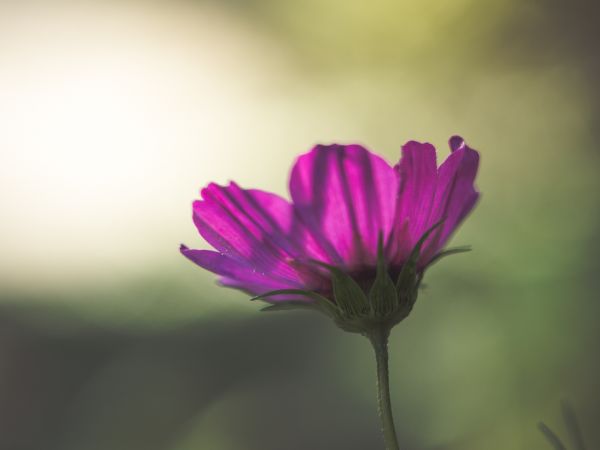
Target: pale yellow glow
{"type": "Point", "coordinates": [111, 117]}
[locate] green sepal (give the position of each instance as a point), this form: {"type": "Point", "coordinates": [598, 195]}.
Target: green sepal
{"type": "Point", "coordinates": [409, 279]}
{"type": "Point", "coordinates": [348, 295]}
{"type": "Point", "coordinates": [448, 252]}
{"type": "Point", "coordinates": [383, 296]}
{"type": "Point", "coordinates": [409, 270]}
{"type": "Point", "coordinates": [318, 301]}
{"type": "Point", "coordinates": [302, 292]}
{"type": "Point", "coordinates": [289, 305]}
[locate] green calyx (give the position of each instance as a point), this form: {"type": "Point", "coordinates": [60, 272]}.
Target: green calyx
{"type": "Point", "coordinates": [357, 310]}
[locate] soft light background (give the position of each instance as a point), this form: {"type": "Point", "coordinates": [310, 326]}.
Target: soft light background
{"type": "Point", "coordinates": [114, 113]}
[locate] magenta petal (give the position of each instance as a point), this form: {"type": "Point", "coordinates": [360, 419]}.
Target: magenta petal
{"type": "Point", "coordinates": [243, 275]}
{"type": "Point", "coordinates": [275, 217]}
{"type": "Point", "coordinates": [455, 195]}
{"type": "Point", "coordinates": [346, 196]}
{"type": "Point", "coordinates": [251, 227]}
{"type": "Point", "coordinates": [417, 171]}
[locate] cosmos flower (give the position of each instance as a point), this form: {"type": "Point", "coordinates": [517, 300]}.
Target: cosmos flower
{"type": "Point", "coordinates": [356, 237]}
{"type": "Point", "coordinates": [353, 243]}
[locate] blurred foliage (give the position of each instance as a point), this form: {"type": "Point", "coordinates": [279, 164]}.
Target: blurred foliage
{"type": "Point", "coordinates": [166, 359]}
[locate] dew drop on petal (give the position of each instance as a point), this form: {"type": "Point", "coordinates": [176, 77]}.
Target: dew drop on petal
{"type": "Point", "coordinates": [456, 142]}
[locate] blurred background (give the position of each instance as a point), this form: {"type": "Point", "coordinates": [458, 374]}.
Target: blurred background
{"type": "Point", "coordinates": [113, 114]}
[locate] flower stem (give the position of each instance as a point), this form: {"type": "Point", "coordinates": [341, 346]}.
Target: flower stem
{"type": "Point", "coordinates": [379, 340]}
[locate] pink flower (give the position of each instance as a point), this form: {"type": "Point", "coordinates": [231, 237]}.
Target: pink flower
{"type": "Point", "coordinates": [349, 210]}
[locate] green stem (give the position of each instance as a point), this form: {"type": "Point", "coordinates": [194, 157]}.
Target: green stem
{"type": "Point", "coordinates": [379, 340]}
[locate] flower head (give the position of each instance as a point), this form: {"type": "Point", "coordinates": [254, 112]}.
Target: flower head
{"type": "Point", "coordinates": [355, 239]}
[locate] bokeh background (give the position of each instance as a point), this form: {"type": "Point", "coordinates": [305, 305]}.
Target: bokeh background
{"type": "Point", "coordinates": [113, 114]}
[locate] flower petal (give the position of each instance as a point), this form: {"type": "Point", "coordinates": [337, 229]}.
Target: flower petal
{"type": "Point", "coordinates": [234, 232]}
{"type": "Point", "coordinates": [257, 229]}
{"type": "Point", "coordinates": [236, 273]}
{"type": "Point", "coordinates": [346, 196]}
{"type": "Point", "coordinates": [417, 171]}
{"type": "Point", "coordinates": [455, 194]}
{"type": "Point", "coordinates": [276, 218]}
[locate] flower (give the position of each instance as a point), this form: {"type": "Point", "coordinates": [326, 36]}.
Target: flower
{"type": "Point", "coordinates": [354, 241]}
